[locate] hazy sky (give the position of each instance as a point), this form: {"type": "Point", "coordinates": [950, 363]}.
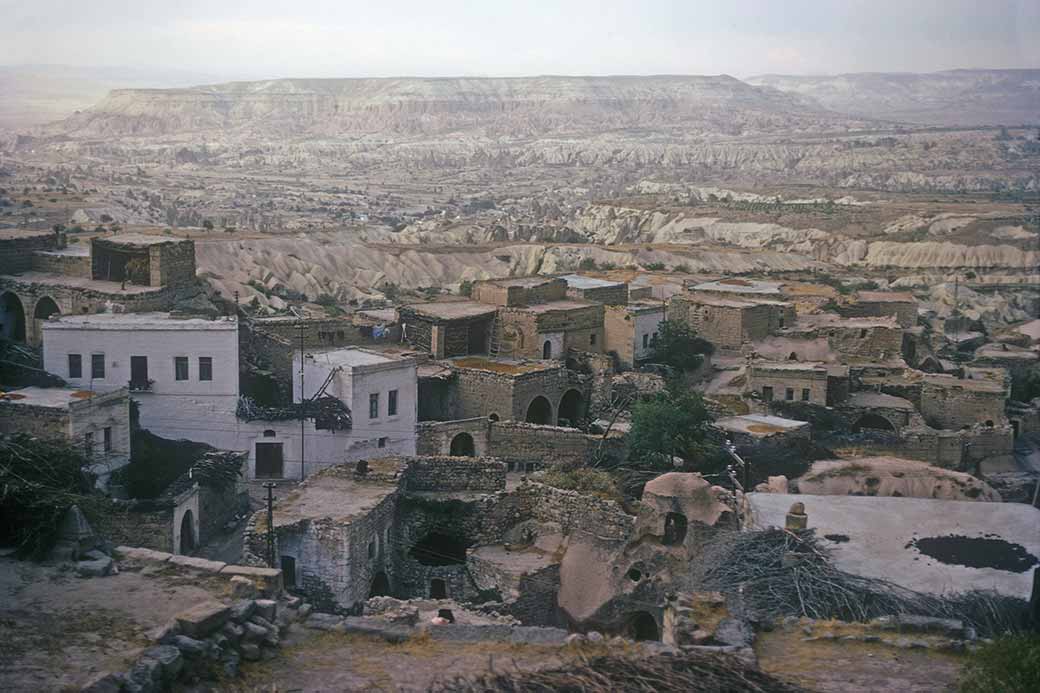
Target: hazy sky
{"type": "Point", "coordinates": [347, 38]}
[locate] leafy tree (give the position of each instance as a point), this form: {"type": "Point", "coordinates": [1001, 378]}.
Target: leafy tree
{"type": "Point", "coordinates": [391, 291]}
{"type": "Point", "coordinates": [208, 225]}
{"type": "Point", "coordinates": [587, 264]}
{"type": "Point", "coordinates": [678, 346]}
{"type": "Point", "coordinates": [1025, 385]}
{"type": "Point", "coordinates": [466, 288]}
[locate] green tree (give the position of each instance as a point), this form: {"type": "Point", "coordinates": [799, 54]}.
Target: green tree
{"type": "Point", "coordinates": [465, 288]}
{"type": "Point", "coordinates": [1025, 385]}
{"type": "Point", "coordinates": [391, 291]}
{"type": "Point", "coordinates": [678, 346]}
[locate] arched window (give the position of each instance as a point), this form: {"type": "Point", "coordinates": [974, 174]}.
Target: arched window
{"type": "Point", "coordinates": [462, 446]}
{"type": "Point", "coordinates": [547, 350]}
{"type": "Point", "coordinates": [269, 433]}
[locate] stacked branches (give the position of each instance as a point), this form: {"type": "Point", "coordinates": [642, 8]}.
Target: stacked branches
{"type": "Point", "coordinates": [328, 412]}
{"type": "Point", "coordinates": [686, 672]}
{"type": "Point", "coordinates": [783, 573]}
{"type": "Point", "coordinates": [39, 481]}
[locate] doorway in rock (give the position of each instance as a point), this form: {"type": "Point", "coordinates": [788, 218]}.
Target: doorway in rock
{"type": "Point", "coordinates": [674, 529]}
{"type": "Point", "coordinates": [288, 564]}
{"type": "Point", "coordinates": [437, 548]}
{"type": "Point", "coordinates": [462, 446]}
{"type": "Point", "coordinates": [547, 350]}
{"type": "Point", "coordinates": [642, 626]}
{"type": "Point", "coordinates": [380, 586]}
{"type": "Point", "coordinates": [438, 589]}
{"type": "Point", "coordinates": [187, 533]}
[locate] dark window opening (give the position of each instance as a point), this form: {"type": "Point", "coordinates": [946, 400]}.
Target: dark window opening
{"type": "Point", "coordinates": [547, 350]}
{"type": "Point", "coordinates": [674, 529]}
{"type": "Point", "coordinates": [805, 394]}
{"type": "Point", "coordinates": [539, 411]}
{"type": "Point", "coordinates": [492, 417]}
{"type": "Point", "coordinates": [75, 366]}
{"type": "Point", "coordinates": [438, 589]}
{"type": "Point", "coordinates": [863, 333]}
{"type": "Point", "coordinates": [989, 423]}
{"type": "Point", "coordinates": [462, 446]}
{"type": "Point", "coordinates": [592, 339]}
{"type": "Point", "coordinates": [371, 550]}
{"type": "Point", "coordinates": [646, 341]}
{"type": "Point", "coordinates": [107, 439]}
{"type": "Point", "coordinates": [187, 533]}
{"type": "Point", "coordinates": [288, 571]}
{"type": "Point", "coordinates": [373, 405]}
{"type": "Point", "coordinates": [180, 367]}
{"type": "Point", "coordinates": [205, 368]}
{"type": "Point", "coordinates": [12, 317]}
{"type": "Point", "coordinates": [391, 403]}
{"type": "Point", "coordinates": [269, 433]}
{"type": "Point", "coordinates": [382, 442]}
{"type": "Point", "coordinates": [767, 393]}
{"type": "Point", "coordinates": [634, 574]}
{"type": "Point", "coordinates": [792, 357]}
{"type": "Point", "coordinates": [270, 461]}
{"type": "Point", "coordinates": [97, 366]}
{"type": "Point", "coordinates": [642, 626]}
{"type": "Point", "coordinates": [789, 394]}
{"type": "Point", "coordinates": [437, 548]}
{"type": "Point", "coordinates": [138, 372]}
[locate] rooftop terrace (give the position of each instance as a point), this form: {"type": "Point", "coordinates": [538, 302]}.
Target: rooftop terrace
{"type": "Point", "coordinates": [50, 397]}
{"type": "Point", "coordinates": [452, 310]}
{"type": "Point", "coordinates": [336, 494]}
{"type": "Point", "coordinates": [139, 321]}
{"type": "Point", "coordinates": [577, 281]}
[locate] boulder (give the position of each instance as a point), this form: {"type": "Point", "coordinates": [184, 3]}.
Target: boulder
{"type": "Point", "coordinates": [266, 608]}
{"type": "Point", "coordinates": [189, 646]}
{"type": "Point", "coordinates": [268, 580]}
{"type": "Point", "coordinates": [250, 652]}
{"type": "Point", "coordinates": [169, 657]}
{"type": "Point", "coordinates": [735, 632]}
{"type": "Point", "coordinates": [241, 611]}
{"type": "Point", "coordinates": [242, 588]}
{"type": "Point", "coordinates": [254, 632]}
{"type": "Point", "coordinates": [96, 568]}
{"type": "Point", "coordinates": [146, 672]}
{"type": "Point", "coordinates": [202, 619]}
{"type": "Point", "coordinates": [233, 632]}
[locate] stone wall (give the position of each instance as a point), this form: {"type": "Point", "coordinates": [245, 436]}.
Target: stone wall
{"type": "Point", "coordinates": [521, 445]}
{"type": "Point", "coordinates": [434, 437]}
{"type": "Point", "coordinates": [573, 511]}
{"type": "Point", "coordinates": [145, 524]}
{"type": "Point", "coordinates": [454, 474]}
{"type": "Point", "coordinates": [948, 402]}
{"type": "Point", "coordinates": [878, 342]}
{"type": "Point", "coordinates": [615, 295]}
{"type": "Point", "coordinates": [172, 264]}
{"type": "Point", "coordinates": [619, 334]}
{"type": "Point", "coordinates": [47, 423]}
{"type": "Point", "coordinates": [508, 395]}
{"type": "Point", "coordinates": [266, 362]}
{"type": "Point", "coordinates": [793, 381]}
{"type": "Point", "coordinates": [61, 263]}
{"type": "Point", "coordinates": [905, 312]}
{"type": "Point", "coordinates": [16, 254]}
{"type": "Point", "coordinates": [493, 293]}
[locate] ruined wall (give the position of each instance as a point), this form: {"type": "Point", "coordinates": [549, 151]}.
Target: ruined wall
{"type": "Point", "coordinates": [956, 403]}
{"type": "Point", "coordinates": [324, 332]}
{"type": "Point", "coordinates": [145, 524]}
{"type": "Point", "coordinates": [873, 342]}
{"type": "Point", "coordinates": [619, 334]}
{"type": "Point", "coordinates": [722, 325]}
{"type": "Point", "coordinates": [454, 474]}
{"type": "Point", "coordinates": [905, 313]}
{"type": "Point", "coordinates": [573, 511]}
{"type": "Point", "coordinates": [417, 330]}
{"type": "Point", "coordinates": [16, 254]}
{"type": "Point", "coordinates": [61, 263]}
{"type": "Point", "coordinates": [959, 450]}
{"type": "Point", "coordinates": [520, 445]}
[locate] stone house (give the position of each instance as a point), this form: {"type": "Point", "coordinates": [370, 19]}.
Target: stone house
{"type": "Point", "coordinates": [878, 304]}
{"type": "Point", "coordinates": [738, 288]}
{"type": "Point", "coordinates": [730, 323]}
{"type": "Point", "coordinates": [873, 339]}
{"type": "Point", "coordinates": [550, 330]}
{"type": "Point", "coordinates": [630, 330]}
{"type": "Point", "coordinates": [592, 290]}
{"type": "Point", "coordinates": [98, 423]}
{"type": "Point", "coordinates": [450, 328]}
{"type": "Point", "coordinates": [1016, 360]}
{"type": "Point", "coordinates": [954, 403]}
{"type": "Point", "coordinates": [520, 291]}
{"type": "Point", "coordinates": [41, 276]}
{"type": "Point", "coordinates": [788, 381]}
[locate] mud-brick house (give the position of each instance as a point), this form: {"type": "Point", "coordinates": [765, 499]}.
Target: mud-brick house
{"type": "Point", "coordinates": [97, 423]}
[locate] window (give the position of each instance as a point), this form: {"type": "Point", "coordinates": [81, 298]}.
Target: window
{"type": "Point", "coordinates": [646, 341]}
{"type": "Point", "coordinates": [88, 444]}
{"type": "Point", "coordinates": [767, 393]}
{"type": "Point", "coordinates": [391, 403]}
{"type": "Point", "coordinates": [75, 366]}
{"type": "Point", "coordinates": [805, 394]}
{"type": "Point", "coordinates": [97, 366]}
{"type": "Point", "coordinates": [108, 438]}
{"type": "Point", "coordinates": [205, 368]}
{"type": "Point", "coordinates": [373, 405]}
{"type": "Point", "coordinates": [371, 550]}
{"type": "Point", "coordinates": [592, 339]}
{"type": "Point", "coordinates": [180, 367]}
{"type": "Point", "coordinates": [789, 394]}
{"type": "Point", "coordinates": [382, 442]}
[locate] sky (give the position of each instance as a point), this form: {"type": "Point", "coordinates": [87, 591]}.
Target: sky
{"type": "Point", "coordinates": [375, 38]}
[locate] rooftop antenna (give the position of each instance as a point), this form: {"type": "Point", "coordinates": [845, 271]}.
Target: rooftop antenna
{"type": "Point", "coordinates": [302, 398]}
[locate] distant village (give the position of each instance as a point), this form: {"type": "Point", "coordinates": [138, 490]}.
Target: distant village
{"type": "Point", "coordinates": [477, 450]}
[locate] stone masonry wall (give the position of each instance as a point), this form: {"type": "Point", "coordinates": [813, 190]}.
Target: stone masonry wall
{"type": "Point", "coordinates": [46, 423]}
{"type": "Point", "coordinates": [172, 264]}
{"type": "Point", "coordinates": [905, 313]}
{"type": "Point", "coordinates": [616, 295]}
{"type": "Point", "coordinates": [619, 334]}
{"type": "Point", "coordinates": [16, 254]}
{"type": "Point", "coordinates": [434, 437]}
{"type": "Point", "coordinates": [56, 263]}
{"type": "Point", "coordinates": [573, 511]}
{"type": "Point", "coordinates": [956, 404]}
{"type": "Point", "coordinates": [520, 444]}
{"type": "Point", "coordinates": [454, 474]}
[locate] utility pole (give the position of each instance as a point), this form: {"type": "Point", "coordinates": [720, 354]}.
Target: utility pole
{"type": "Point", "coordinates": [270, 522]}
{"type": "Point", "coordinates": [303, 405]}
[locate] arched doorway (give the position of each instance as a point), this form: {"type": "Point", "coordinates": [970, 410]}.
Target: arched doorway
{"type": "Point", "coordinates": [12, 317]}
{"type": "Point", "coordinates": [674, 529]}
{"type": "Point", "coordinates": [380, 586]}
{"type": "Point", "coordinates": [437, 548]}
{"type": "Point", "coordinates": [642, 626]}
{"type": "Point", "coordinates": [187, 533]}
{"type": "Point", "coordinates": [462, 446]}
{"type": "Point", "coordinates": [45, 308]}
{"type": "Point", "coordinates": [539, 411]}
{"type": "Point", "coordinates": [874, 422]}
{"type": "Point", "coordinates": [571, 409]}
{"type": "Point", "coordinates": [547, 350]}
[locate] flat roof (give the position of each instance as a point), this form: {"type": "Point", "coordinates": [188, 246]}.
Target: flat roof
{"type": "Point", "coordinates": [577, 281]}
{"type": "Point", "coordinates": [789, 366]}
{"type": "Point", "coordinates": [502, 365]}
{"type": "Point", "coordinates": [51, 397]}
{"type": "Point", "coordinates": [335, 494]}
{"type": "Point", "coordinates": [138, 321]}
{"type": "Point", "coordinates": [1005, 351]}
{"type": "Point", "coordinates": [140, 239]}
{"type": "Point", "coordinates": [75, 250]}
{"type": "Point", "coordinates": [522, 282]}
{"type": "Point", "coordinates": [452, 310]}
{"type": "Point", "coordinates": [13, 234]}
{"type": "Point", "coordinates": [743, 286]}
{"type": "Point", "coordinates": [885, 297]}
{"type": "Point", "coordinates": [351, 357]}
{"type": "Point", "coordinates": [879, 399]}
{"type": "Point", "coordinates": [880, 537]}
{"type": "Point", "coordinates": [64, 280]}
{"type": "Point", "coordinates": [974, 384]}
{"type": "Point", "coordinates": [553, 306]}
{"type": "Point", "coordinates": [833, 320]}
{"type": "Point", "coordinates": [759, 425]}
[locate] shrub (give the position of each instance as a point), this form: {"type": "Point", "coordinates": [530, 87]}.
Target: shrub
{"type": "Point", "coordinates": [654, 266]}
{"type": "Point", "coordinates": [591, 482]}
{"type": "Point", "coordinates": [587, 264]}
{"type": "Point", "coordinates": [465, 288]}
{"type": "Point", "coordinates": [1010, 664]}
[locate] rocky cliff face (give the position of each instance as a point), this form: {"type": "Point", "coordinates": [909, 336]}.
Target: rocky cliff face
{"type": "Point", "coordinates": [514, 107]}
{"type": "Point", "coordinates": [952, 97]}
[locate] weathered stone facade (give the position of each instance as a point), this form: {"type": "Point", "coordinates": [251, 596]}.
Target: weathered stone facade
{"type": "Point", "coordinates": [508, 391]}
{"type": "Point", "coordinates": [877, 339]}
{"type": "Point", "coordinates": [448, 329]}
{"type": "Point", "coordinates": [143, 260]}
{"type": "Point", "coordinates": [878, 304]}
{"type": "Point", "coordinates": [631, 331]}
{"type": "Point", "coordinates": [549, 330]}
{"type": "Point", "coordinates": [730, 323]}
{"type": "Point", "coordinates": [791, 382]}
{"type": "Point", "coordinates": [524, 291]}
{"type": "Point", "coordinates": [18, 247]}
{"type": "Point", "coordinates": [950, 402]}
